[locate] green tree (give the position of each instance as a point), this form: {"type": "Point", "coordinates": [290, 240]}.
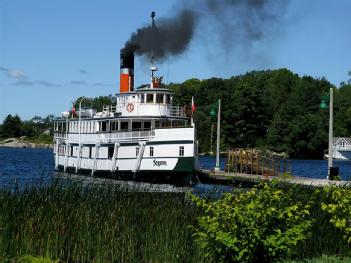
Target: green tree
{"type": "Point", "coordinates": [11, 127]}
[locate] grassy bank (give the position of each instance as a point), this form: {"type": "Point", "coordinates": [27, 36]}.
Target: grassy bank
{"type": "Point", "coordinates": [76, 222]}
{"type": "Point", "coordinates": [91, 223]}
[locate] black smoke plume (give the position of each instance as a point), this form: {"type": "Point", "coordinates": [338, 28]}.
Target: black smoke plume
{"type": "Point", "coordinates": [232, 22]}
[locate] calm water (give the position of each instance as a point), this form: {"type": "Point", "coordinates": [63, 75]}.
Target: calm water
{"type": "Point", "coordinates": [33, 165]}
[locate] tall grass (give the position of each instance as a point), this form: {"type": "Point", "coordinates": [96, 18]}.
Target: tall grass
{"type": "Point", "coordinates": [78, 222]}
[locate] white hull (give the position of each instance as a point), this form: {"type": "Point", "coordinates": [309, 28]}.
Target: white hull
{"type": "Point", "coordinates": [163, 150]}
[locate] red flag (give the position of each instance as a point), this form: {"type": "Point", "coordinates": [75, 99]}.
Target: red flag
{"type": "Point", "coordinates": [193, 107]}
{"type": "Point", "coordinates": [73, 111]}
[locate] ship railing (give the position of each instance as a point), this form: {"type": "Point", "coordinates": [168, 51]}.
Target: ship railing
{"type": "Point", "coordinates": [109, 108]}
{"type": "Point", "coordinates": [60, 136]}
{"type": "Point", "coordinates": [133, 136]}
{"type": "Point", "coordinates": [177, 111]}
{"type": "Point", "coordinates": [154, 108]}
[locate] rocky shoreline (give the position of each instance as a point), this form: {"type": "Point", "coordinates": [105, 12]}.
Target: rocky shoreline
{"type": "Point", "coordinates": [22, 143]}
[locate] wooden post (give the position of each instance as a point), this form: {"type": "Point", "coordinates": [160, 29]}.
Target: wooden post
{"type": "Point", "coordinates": [247, 162]}
{"type": "Point", "coordinates": [251, 163]}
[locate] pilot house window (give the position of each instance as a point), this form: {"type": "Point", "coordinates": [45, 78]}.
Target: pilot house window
{"type": "Point", "coordinates": [147, 125]}
{"type": "Point", "coordinates": [124, 125]}
{"type": "Point", "coordinates": [159, 98]}
{"type": "Point", "coordinates": [136, 126]}
{"type": "Point", "coordinates": [149, 98]}
{"type": "Point", "coordinates": [151, 151]}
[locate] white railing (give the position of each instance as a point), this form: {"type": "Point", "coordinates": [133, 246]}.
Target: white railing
{"type": "Point", "coordinates": [61, 136]}
{"type": "Point", "coordinates": [154, 109]}
{"type": "Point", "coordinates": [177, 111]}
{"type": "Point", "coordinates": [126, 136]}
{"type": "Point", "coordinates": [109, 108]}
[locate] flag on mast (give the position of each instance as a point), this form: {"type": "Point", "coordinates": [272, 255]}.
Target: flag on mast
{"type": "Point", "coordinates": [193, 107]}
{"type": "Point", "coordinates": [73, 111]}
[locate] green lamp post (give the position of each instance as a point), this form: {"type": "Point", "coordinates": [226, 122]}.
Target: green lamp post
{"type": "Point", "coordinates": [213, 114]}
{"type": "Point", "coordinates": [323, 105]}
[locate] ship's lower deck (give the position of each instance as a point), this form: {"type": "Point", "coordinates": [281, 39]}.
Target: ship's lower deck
{"type": "Point", "coordinates": [165, 155]}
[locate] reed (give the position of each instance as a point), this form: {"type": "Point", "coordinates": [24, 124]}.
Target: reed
{"type": "Point", "coordinates": [80, 222]}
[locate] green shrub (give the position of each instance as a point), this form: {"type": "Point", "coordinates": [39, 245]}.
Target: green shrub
{"type": "Point", "coordinates": [31, 259]}
{"type": "Point", "coordinates": [338, 205]}
{"type": "Point", "coordinates": [261, 225]}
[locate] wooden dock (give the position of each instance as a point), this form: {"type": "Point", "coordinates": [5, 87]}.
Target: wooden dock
{"type": "Point", "coordinates": [257, 162]}
{"type": "Point", "coordinates": [248, 167]}
{"type": "Point", "coordinates": [233, 178]}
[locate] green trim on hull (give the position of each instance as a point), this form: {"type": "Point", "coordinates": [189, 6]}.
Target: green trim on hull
{"type": "Point", "coordinates": [185, 164]}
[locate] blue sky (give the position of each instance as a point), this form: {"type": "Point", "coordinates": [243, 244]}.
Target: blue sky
{"type": "Point", "coordinates": [52, 52]}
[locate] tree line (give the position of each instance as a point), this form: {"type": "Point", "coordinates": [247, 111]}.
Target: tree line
{"type": "Point", "coordinates": [37, 128]}
{"type": "Point", "coordinates": [271, 109]}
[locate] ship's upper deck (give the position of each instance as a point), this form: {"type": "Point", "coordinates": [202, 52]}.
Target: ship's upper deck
{"type": "Point", "coordinates": [148, 102]}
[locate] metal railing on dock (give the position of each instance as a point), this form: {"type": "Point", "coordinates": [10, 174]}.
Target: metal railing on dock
{"type": "Point", "coordinates": [253, 161]}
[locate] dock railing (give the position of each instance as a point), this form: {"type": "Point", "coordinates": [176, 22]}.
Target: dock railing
{"type": "Point", "coordinates": [257, 162]}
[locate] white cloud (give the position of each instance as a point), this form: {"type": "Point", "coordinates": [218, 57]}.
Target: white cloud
{"type": "Point", "coordinates": [16, 74]}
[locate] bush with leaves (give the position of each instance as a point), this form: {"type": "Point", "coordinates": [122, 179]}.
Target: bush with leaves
{"type": "Point", "coordinates": [338, 206]}
{"type": "Point", "coordinates": [261, 225]}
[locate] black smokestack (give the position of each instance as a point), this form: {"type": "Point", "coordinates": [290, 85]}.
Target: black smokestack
{"type": "Point", "coordinates": [232, 22]}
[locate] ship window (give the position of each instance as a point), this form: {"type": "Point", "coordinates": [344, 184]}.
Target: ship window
{"type": "Point", "coordinates": [181, 151]}
{"type": "Point", "coordinates": [151, 151]}
{"type": "Point", "coordinates": [110, 152]}
{"type": "Point", "coordinates": [71, 150]}
{"type": "Point", "coordinates": [113, 126]}
{"type": "Point", "coordinates": [168, 99]}
{"type": "Point", "coordinates": [147, 125]}
{"type": "Point", "coordinates": [103, 126]}
{"type": "Point", "coordinates": [159, 98]}
{"type": "Point", "coordinates": [136, 126]}
{"type": "Point", "coordinates": [61, 150]}
{"type": "Point", "coordinates": [157, 124]}
{"type": "Point", "coordinates": [90, 151]}
{"type": "Point", "coordinates": [166, 123]}
{"type": "Point", "coordinates": [149, 98]}
{"type": "Point", "coordinates": [136, 151]}
{"type": "Point", "coordinates": [142, 98]}
{"type": "Point", "coordinates": [178, 123]}
{"type": "Point", "coordinates": [124, 125]}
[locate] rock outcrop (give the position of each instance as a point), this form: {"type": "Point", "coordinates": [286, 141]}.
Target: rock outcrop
{"type": "Point", "coordinates": [22, 143]}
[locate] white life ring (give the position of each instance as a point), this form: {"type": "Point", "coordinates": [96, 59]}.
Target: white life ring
{"type": "Point", "coordinates": [130, 107]}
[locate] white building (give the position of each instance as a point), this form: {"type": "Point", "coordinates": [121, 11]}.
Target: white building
{"type": "Point", "coordinates": [341, 148]}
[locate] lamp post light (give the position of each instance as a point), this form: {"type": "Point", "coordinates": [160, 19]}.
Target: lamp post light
{"type": "Point", "coordinates": [323, 105]}
{"type": "Point", "coordinates": [213, 114]}
{"type": "Point", "coordinates": [217, 167]}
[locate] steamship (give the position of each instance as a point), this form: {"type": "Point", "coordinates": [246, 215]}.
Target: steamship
{"type": "Point", "coordinates": [142, 136]}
